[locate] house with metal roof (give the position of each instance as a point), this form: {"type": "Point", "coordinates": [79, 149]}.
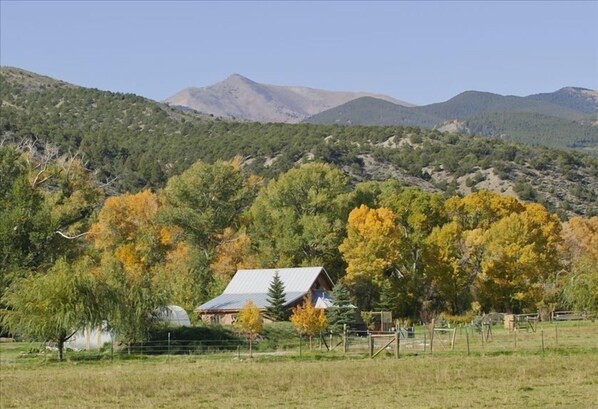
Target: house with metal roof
{"type": "Point", "coordinates": [254, 285]}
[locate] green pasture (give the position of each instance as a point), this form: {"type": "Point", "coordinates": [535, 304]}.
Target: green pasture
{"type": "Point", "coordinates": [493, 375]}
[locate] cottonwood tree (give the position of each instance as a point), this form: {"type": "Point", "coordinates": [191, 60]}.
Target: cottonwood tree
{"type": "Point", "coordinates": [133, 246]}
{"type": "Point", "coordinates": [206, 202]}
{"type": "Point", "coordinates": [276, 309]}
{"type": "Point", "coordinates": [309, 320]}
{"type": "Point", "coordinates": [250, 322]}
{"type": "Point", "coordinates": [520, 255]}
{"type": "Point", "coordinates": [232, 253]}
{"type": "Point", "coordinates": [371, 250]}
{"type": "Point", "coordinates": [298, 219]}
{"type": "Point", "coordinates": [47, 202]}
{"type": "Point", "coordinates": [453, 260]}
{"type": "Point", "coordinates": [580, 256]}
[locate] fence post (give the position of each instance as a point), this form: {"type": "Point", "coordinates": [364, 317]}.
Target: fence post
{"type": "Point", "coordinates": [467, 338]}
{"type": "Point", "coordinates": [556, 333]}
{"type": "Point", "coordinates": [425, 341]}
{"type": "Point", "coordinates": [432, 335]}
{"type": "Point", "coordinates": [371, 344]}
{"type": "Point", "coordinates": [483, 349]}
{"type": "Point", "coordinates": [542, 333]}
{"type": "Point", "coordinates": [111, 349]}
{"type": "Point", "coordinates": [344, 338]}
{"type": "Point", "coordinates": [515, 336]}
{"type": "Point", "coordinates": [169, 346]}
{"type": "Point", "coordinates": [453, 339]}
{"type": "Point", "coordinates": [398, 339]}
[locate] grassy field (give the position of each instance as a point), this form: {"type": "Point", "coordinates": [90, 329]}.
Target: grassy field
{"type": "Point", "coordinates": [563, 377]}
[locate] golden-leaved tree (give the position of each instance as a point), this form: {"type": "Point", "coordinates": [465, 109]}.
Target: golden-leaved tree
{"type": "Point", "coordinates": [520, 256]}
{"type": "Point", "coordinates": [371, 251]}
{"type": "Point", "coordinates": [250, 322]}
{"type": "Point", "coordinates": [133, 247]}
{"type": "Point", "coordinates": [309, 320]}
{"type": "Point", "coordinates": [453, 258]}
{"type": "Point", "coordinates": [371, 248]}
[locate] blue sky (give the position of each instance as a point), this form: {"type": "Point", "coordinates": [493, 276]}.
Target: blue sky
{"type": "Point", "coordinates": [421, 52]}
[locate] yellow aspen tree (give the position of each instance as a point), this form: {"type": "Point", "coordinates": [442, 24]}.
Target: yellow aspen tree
{"type": "Point", "coordinates": [453, 264]}
{"type": "Point", "coordinates": [520, 254]}
{"type": "Point", "coordinates": [250, 322]}
{"type": "Point", "coordinates": [309, 320]}
{"type": "Point", "coordinates": [481, 209]}
{"type": "Point", "coordinates": [371, 247]}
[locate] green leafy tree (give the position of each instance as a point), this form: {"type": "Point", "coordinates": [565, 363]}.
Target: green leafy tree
{"type": "Point", "coordinates": [298, 219]}
{"type": "Point", "coordinates": [52, 307]}
{"type": "Point", "coordinates": [580, 256]}
{"type": "Point", "coordinates": [276, 309]}
{"type": "Point", "coordinates": [205, 202]}
{"type": "Point", "coordinates": [46, 204]}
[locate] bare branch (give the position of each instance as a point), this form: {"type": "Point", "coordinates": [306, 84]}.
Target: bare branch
{"type": "Point", "coordinates": [71, 237]}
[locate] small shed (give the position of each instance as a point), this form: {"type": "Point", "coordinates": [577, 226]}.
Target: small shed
{"type": "Point", "coordinates": [254, 285]}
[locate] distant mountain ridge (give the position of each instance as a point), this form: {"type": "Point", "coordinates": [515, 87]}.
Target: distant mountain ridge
{"type": "Point", "coordinates": [567, 118]}
{"type": "Point", "coordinates": [240, 98]}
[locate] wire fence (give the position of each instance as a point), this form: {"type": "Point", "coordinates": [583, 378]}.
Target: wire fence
{"type": "Point", "coordinates": [463, 339]}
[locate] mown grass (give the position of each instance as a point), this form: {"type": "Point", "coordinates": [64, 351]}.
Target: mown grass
{"type": "Point", "coordinates": [566, 376]}
{"type": "Point", "coordinates": [550, 380]}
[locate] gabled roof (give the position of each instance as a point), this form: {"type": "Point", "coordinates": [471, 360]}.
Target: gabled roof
{"type": "Point", "coordinates": [254, 284]}
{"type": "Point", "coordinates": [258, 281]}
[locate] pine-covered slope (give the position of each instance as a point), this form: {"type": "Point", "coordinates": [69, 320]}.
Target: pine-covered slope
{"type": "Point", "coordinates": [563, 119]}
{"type": "Point", "coordinates": [134, 142]}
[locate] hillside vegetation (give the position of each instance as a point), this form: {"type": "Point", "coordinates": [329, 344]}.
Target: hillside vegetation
{"type": "Point", "coordinates": [563, 119]}
{"type": "Point", "coordinates": [134, 143]}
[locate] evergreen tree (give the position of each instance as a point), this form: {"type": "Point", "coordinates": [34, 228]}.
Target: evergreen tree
{"type": "Point", "coordinates": [343, 311]}
{"type": "Point", "coordinates": [277, 300]}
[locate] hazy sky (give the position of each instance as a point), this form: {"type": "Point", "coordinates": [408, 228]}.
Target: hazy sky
{"type": "Point", "coordinates": [421, 52]}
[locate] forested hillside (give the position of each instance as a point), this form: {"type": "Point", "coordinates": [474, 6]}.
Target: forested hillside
{"type": "Point", "coordinates": [133, 143]}
{"type": "Point", "coordinates": [562, 119]}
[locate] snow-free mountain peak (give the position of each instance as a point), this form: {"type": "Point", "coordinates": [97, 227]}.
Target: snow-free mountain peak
{"type": "Point", "coordinates": [242, 98]}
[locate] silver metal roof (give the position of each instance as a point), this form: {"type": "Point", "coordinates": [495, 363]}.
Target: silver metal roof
{"type": "Point", "coordinates": [258, 281]}
{"type": "Point", "coordinates": [254, 284]}
{"type": "Point", "coordinates": [236, 302]}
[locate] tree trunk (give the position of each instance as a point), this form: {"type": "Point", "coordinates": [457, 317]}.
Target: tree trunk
{"type": "Point", "coordinates": [60, 345]}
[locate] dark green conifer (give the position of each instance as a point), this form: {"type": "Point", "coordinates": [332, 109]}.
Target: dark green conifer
{"type": "Point", "coordinates": [277, 310]}
{"type": "Point", "coordinates": [342, 312]}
